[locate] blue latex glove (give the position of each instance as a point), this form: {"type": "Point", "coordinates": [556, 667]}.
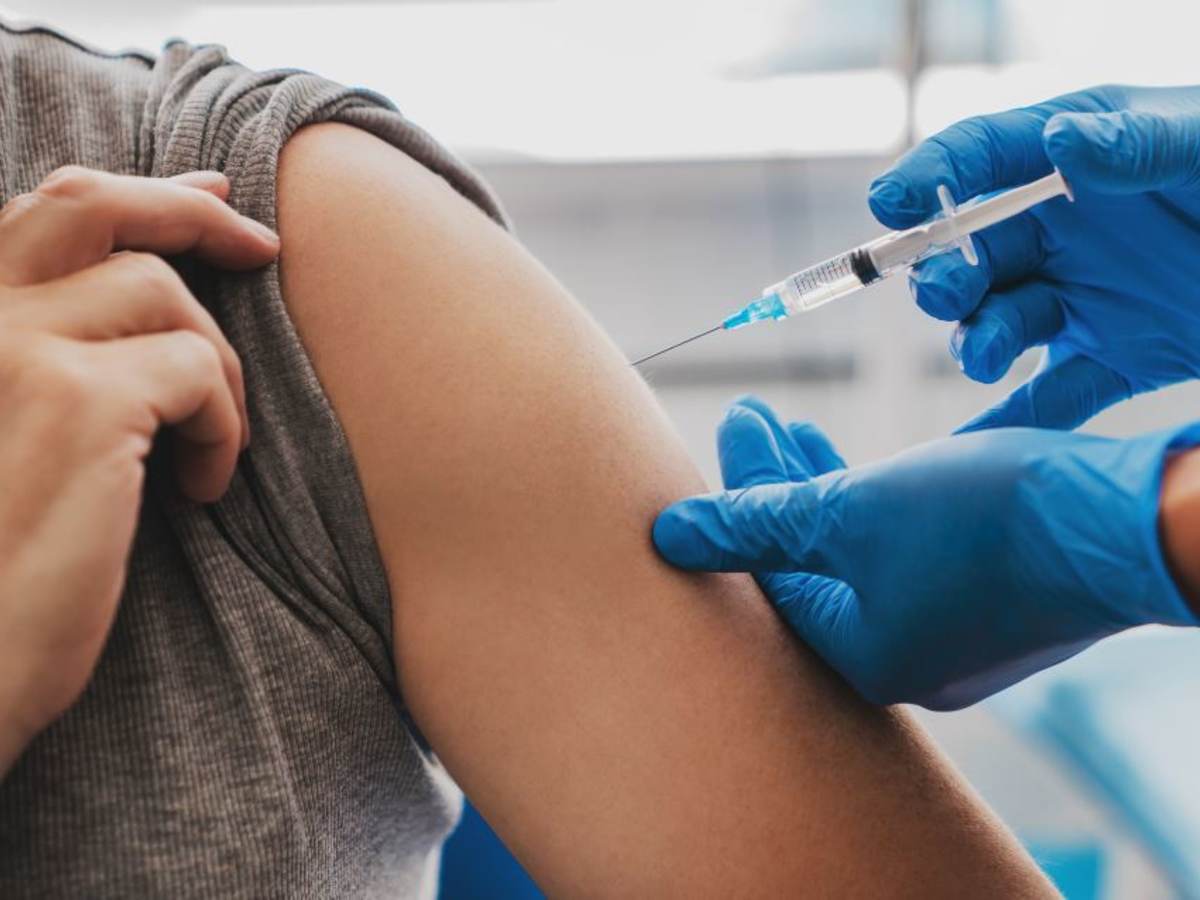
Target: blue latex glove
{"type": "Point", "coordinates": [1111, 282]}
{"type": "Point", "coordinates": [950, 571]}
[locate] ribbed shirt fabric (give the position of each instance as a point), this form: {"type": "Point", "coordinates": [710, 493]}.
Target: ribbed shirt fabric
{"type": "Point", "coordinates": [244, 734]}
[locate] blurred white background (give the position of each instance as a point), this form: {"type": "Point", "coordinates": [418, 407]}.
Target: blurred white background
{"type": "Point", "coordinates": [668, 159]}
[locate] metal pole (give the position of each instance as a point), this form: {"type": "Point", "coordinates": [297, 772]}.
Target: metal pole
{"type": "Point", "coordinates": [912, 62]}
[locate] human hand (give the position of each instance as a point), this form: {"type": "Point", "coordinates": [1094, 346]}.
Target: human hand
{"type": "Point", "coordinates": [1108, 282]}
{"type": "Point", "coordinates": [97, 351]}
{"type": "Point", "coordinates": [949, 571]}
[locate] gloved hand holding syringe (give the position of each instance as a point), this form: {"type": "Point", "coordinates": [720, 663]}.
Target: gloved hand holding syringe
{"type": "Point", "coordinates": [896, 251]}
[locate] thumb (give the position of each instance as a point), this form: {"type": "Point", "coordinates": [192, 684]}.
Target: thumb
{"type": "Point", "coordinates": [1125, 152]}
{"type": "Point", "coordinates": [1063, 395]}
{"type": "Point", "coordinates": [766, 528]}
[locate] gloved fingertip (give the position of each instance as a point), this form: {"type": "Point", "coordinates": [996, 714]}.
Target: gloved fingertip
{"type": "Point", "coordinates": [942, 290]}
{"type": "Point", "coordinates": [747, 402]}
{"type": "Point", "coordinates": [748, 451]}
{"type": "Point", "coordinates": [984, 349]}
{"type": "Point", "coordinates": [753, 404]}
{"type": "Point", "coordinates": [735, 411]}
{"type": "Point", "coordinates": [676, 536]}
{"type": "Point", "coordinates": [885, 195]}
{"type": "Point", "coordinates": [1064, 128]}
{"type": "Point", "coordinates": [1062, 138]}
{"type": "Point", "coordinates": [892, 203]}
{"type": "Point", "coordinates": [742, 426]}
{"type": "Point", "coordinates": [933, 299]}
{"type": "Point", "coordinates": [1081, 145]}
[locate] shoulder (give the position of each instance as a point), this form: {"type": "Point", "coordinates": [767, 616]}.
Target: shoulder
{"type": "Point", "coordinates": [334, 165]}
{"type": "Point", "coordinates": [363, 222]}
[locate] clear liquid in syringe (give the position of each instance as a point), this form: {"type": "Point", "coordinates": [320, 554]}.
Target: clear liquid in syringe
{"type": "Point", "coordinates": [818, 285]}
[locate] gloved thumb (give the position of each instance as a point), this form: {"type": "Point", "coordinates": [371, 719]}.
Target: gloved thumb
{"type": "Point", "coordinates": [766, 528]}
{"type": "Point", "coordinates": [1125, 152]}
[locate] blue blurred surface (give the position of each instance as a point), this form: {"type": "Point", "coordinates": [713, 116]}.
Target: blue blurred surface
{"type": "Point", "coordinates": [1076, 869]}
{"type": "Point", "coordinates": [1122, 718]}
{"type": "Point", "coordinates": [476, 865]}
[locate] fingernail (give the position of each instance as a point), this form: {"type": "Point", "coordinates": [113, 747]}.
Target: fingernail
{"type": "Point", "coordinates": [261, 230]}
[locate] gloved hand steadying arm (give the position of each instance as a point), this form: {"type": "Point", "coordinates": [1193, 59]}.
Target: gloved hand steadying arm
{"type": "Point", "coordinates": [1110, 282]}
{"type": "Point", "coordinates": [950, 571]}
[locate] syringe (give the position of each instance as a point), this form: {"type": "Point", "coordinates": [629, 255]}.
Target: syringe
{"type": "Point", "coordinates": [842, 275]}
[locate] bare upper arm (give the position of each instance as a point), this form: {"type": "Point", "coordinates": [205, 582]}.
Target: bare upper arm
{"type": "Point", "coordinates": [628, 729]}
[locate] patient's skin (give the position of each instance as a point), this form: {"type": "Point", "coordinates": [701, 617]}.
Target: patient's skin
{"type": "Point", "coordinates": [629, 730]}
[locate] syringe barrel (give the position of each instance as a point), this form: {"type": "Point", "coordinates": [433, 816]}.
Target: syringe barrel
{"type": "Point", "coordinates": [828, 280]}
{"type": "Point", "coordinates": [899, 249]}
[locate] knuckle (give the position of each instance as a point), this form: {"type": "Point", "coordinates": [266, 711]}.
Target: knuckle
{"type": "Point", "coordinates": [21, 205]}
{"type": "Point", "coordinates": [69, 181]}
{"type": "Point", "coordinates": [196, 353]}
{"type": "Point", "coordinates": [235, 369]}
{"type": "Point", "coordinates": [205, 204]}
{"type": "Point", "coordinates": [50, 374]}
{"type": "Point", "coordinates": [153, 273]}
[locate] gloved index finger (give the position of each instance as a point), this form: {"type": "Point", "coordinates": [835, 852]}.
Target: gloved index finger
{"type": "Point", "coordinates": [790, 461]}
{"type": "Point", "coordinates": [972, 157]}
{"type": "Point", "coordinates": [804, 448]}
{"type": "Point", "coordinates": [747, 450]}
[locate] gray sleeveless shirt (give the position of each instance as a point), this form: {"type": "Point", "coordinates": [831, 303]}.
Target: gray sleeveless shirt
{"type": "Point", "coordinates": [244, 735]}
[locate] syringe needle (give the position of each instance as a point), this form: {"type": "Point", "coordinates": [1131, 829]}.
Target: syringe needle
{"type": "Point", "coordinates": [694, 337]}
